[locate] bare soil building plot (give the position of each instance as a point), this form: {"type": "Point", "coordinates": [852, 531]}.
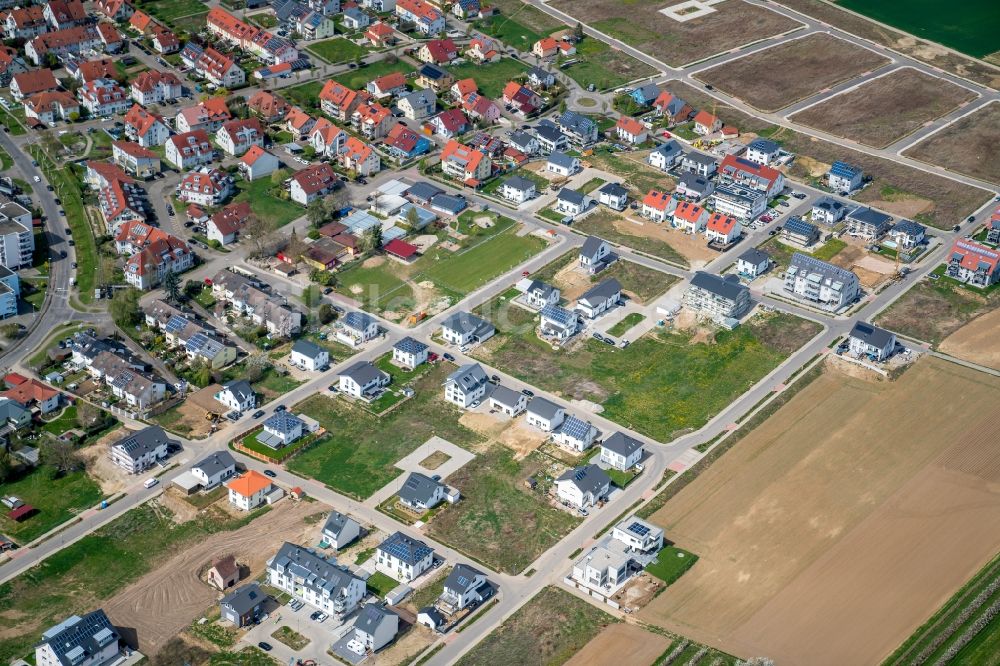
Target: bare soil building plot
{"type": "Point", "coordinates": [644, 25]}
{"type": "Point", "coordinates": [839, 525]}
{"type": "Point", "coordinates": [970, 145]}
{"type": "Point", "coordinates": [886, 109]}
{"type": "Point", "coordinates": [784, 74]}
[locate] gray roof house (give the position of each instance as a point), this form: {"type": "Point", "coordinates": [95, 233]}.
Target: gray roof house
{"type": "Point", "coordinates": [613, 195]}
{"type": "Point", "coordinates": [237, 394]}
{"type": "Point", "coordinates": [340, 530]}
{"type": "Point", "coordinates": [832, 287]}
{"type": "Point", "coordinates": [621, 451]}
{"type": "Point", "coordinates": [420, 492]}
{"type": "Point", "coordinates": [694, 186]}
{"type": "Point", "coordinates": [90, 639]}
{"type": "Point", "coordinates": [423, 192]}
{"type": "Point", "coordinates": [518, 189]}
{"type": "Point", "coordinates": [466, 385]}
{"type": "Point", "coordinates": [753, 262]}
{"type": "Point", "coordinates": [596, 255]}
{"type": "Point", "coordinates": [600, 298]}
{"type": "Point", "coordinates": [310, 353]}
{"type": "Point", "coordinates": [699, 163]}
{"type": "Point", "coordinates": [464, 327]}
{"type": "Point", "coordinates": [141, 449]}
{"type": "Point", "coordinates": [463, 586]}
{"type": "Point", "coordinates": [868, 223]}
{"type": "Point", "coordinates": [539, 294]}
{"type": "Point", "coordinates": [557, 322]}
{"type": "Point", "coordinates": [549, 137]}
{"type": "Point", "coordinates": [363, 379]}
{"type": "Point", "coordinates": [375, 628]}
{"type": "Point", "coordinates": [579, 128]}
{"type": "Point", "coordinates": [828, 210]}
{"type": "Point", "coordinates": [718, 297]}
{"type": "Point", "coordinates": [318, 581]}
{"type": "Point", "coordinates": [281, 429]}
{"type": "Point", "coordinates": [523, 142]}
{"type": "Point", "coordinates": [358, 321]}
{"type": "Point", "coordinates": [508, 401]}
{"type": "Point", "coordinates": [563, 161]}
{"type": "Point", "coordinates": [583, 486]}
{"type": "Point", "coordinates": [540, 77]}
{"type": "Point", "coordinates": [545, 414]}
{"type": "Point", "coordinates": [243, 605]}
{"type": "Point", "coordinates": [665, 155]}
{"type": "Point", "coordinates": [402, 557]}
{"type": "Point", "coordinates": [868, 340]}
{"type": "Point", "coordinates": [214, 468]}
{"type": "Point", "coordinates": [571, 202]}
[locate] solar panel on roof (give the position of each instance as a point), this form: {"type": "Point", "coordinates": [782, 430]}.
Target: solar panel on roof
{"type": "Point", "coordinates": [638, 528]}
{"type": "Point", "coordinates": [176, 324]}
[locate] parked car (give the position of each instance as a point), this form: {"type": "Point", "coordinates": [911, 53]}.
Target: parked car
{"type": "Point", "coordinates": [280, 408]}
{"type": "Point", "coordinates": [270, 473]}
{"type": "Point", "coordinates": [528, 392]}
{"type": "Point", "coordinates": [259, 413]}
{"type": "Point", "coordinates": [265, 646]}
{"type": "Point", "coordinates": [449, 357]}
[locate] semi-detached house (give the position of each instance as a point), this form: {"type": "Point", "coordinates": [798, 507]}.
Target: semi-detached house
{"type": "Point", "coordinates": [236, 137]}
{"type": "Point", "coordinates": [153, 87]}
{"type": "Point", "coordinates": [313, 182]}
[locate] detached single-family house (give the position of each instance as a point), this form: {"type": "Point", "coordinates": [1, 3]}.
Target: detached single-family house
{"type": "Point", "coordinates": [91, 640]}
{"type": "Point", "coordinates": [508, 401]}
{"type": "Point", "coordinates": [572, 203]}
{"type": "Point", "coordinates": [693, 187]}
{"type": "Point", "coordinates": [375, 627]}
{"type": "Point", "coordinates": [403, 558]}
{"type": "Point", "coordinates": [613, 195]}
{"type": "Point", "coordinates": [631, 130]}
{"type": "Point", "coordinates": [463, 328]}
{"type": "Point", "coordinates": [237, 395]}
{"type": "Point", "coordinates": [281, 429]}
{"type": "Point", "coordinates": [141, 450]}
{"type": "Point", "coordinates": [690, 217]}
{"type": "Point", "coordinates": [518, 190]}
{"type": "Point", "coordinates": [360, 327]}
{"type": "Point", "coordinates": [340, 530]}
{"type": "Point", "coordinates": [550, 138]}
{"type": "Point", "coordinates": [621, 451]}
{"type": "Point", "coordinates": [409, 353]}
{"type": "Point", "coordinates": [562, 164]}
{"type": "Point", "coordinates": [722, 229]}
{"type": "Point", "coordinates": [575, 434]}
{"type": "Point", "coordinates": [525, 143]}
{"type": "Point", "coordinates": [844, 178]}
{"type": "Point", "coordinates": [214, 469]}
{"type": "Point", "coordinates": [418, 105]}
{"type": "Point", "coordinates": [538, 294]}
{"type": "Point", "coordinates": [420, 492]}
{"type": "Point", "coordinates": [600, 298]}
{"type": "Point", "coordinates": [705, 123]}
{"type": "Point", "coordinates": [638, 534]}
{"type": "Point", "coordinates": [463, 586]}
{"type": "Point", "coordinates": [868, 223]}
{"type": "Point", "coordinates": [800, 233]}
{"type": "Point", "coordinates": [363, 380]}
{"type": "Point", "coordinates": [544, 414]}
{"type": "Point", "coordinates": [666, 155]}
{"type": "Point", "coordinates": [243, 606]}
{"type": "Point", "coordinates": [557, 323]}
{"type": "Point", "coordinates": [257, 163]}
{"type": "Point", "coordinates": [699, 163]}
{"type": "Point", "coordinates": [907, 234]}
{"type": "Point", "coordinates": [466, 386]}
{"type": "Point", "coordinates": [753, 263]}
{"type": "Point", "coordinates": [595, 254]}
{"type": "Point", "coordinates": [828, 211]}
{"type": "Point", "coordinates": [872, 341]}
{"type": "Point", "coordinates": [583, 486]}
{"type": "Point", "coordinates": [309, 356]}
{"type": "Point", "coordinates": [763, 151]}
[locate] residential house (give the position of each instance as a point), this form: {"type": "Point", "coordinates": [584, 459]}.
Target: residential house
{"type": "Point", "coordinates": [518, 190]}
{"type": "Point", "coordinates": [631, 130]}
{"type": "Point", "coordinates": [906, 235]}
{"type": "Point", "coordinates": [372, 120]}
{"type": "Point", "coordinates": [463, 587]}
{"type": "Point", "coordinates": [215, 468]}
{"type": "Point", "coordinates": [739, 202]}
{"type": "Point", "coordinates": [871, 341]}
{"type": "Point", "coordinates": [235, 137]}
{"type": "Point", "coordinates": [437, 51]}
{"type": "Point", "coordinates": [480, 107]}
{"type": "Point", "coordinates": [61, 14]}
{"type": "Point", "coordinates": [867, 223]}
{"type": "Point", "coordinates": [153, 254]}
{"type": "Point", "coordinates": [557, 323]}
{"type": "Point", "coordinates": [145, 128]}
{"type": "Point", "coordinates": [355, 19]}
{"type": "Point", "coordinates": [828, 211]}
{"type": "Point", "coordinates": [339, 102]}
{"type": "Point", "coordinates": [463, 328]}
{"type": "Point", "coordinates": [575, 434]}
{"type": "Point", "coordinates": [508, 401]}
{"type": "Point", "coordinates": [29, 83]}
{"type": "Point", "coordinates": [269, 48]}
{"type": "Point", "coordinates": [466, 9]}
{"type": "Point", "coordinates": [583, 486]}
{"type": "Point", "coordinates": [975, 264]}
{"type": "Point", "coordinates": [389, 85]}
{"type": "Point", "coordinates": [205, 187]}
{"type": "Point", "coordinates": [693, 187]}
{"type": "Point", "coordinates": [521, 99]}
{"type": "Point", "coordinates": [216, 68]}
{"type": "Point", "coordinates": [844, 178]}
{"type": "Point", "coordinates": [705, 123]}
{"type": "Point", "coordinates": [359, 327]}
{"type": "Point", "coordinates": [604, 568]}
{"type": "Point", "coordinates": [257, 163]}
{"type": "Point", "coordinates": [153, 87]}
{"type": "Point", "coordinates": [141, 450]}
{"type": "Point", "coordinates": [690, 217]}
{"type": "Point", "coordinates": [544, 415]}
{"type": "Point", "coordinates": [538, 294]}
{"type": "Point", "coordinates": [426, 18]}
{"type": "Point", "coordinates": [313, 182]}
{"type": "Point", "coordinates": [375, 627]}
{"type": "Point", "coordinates": [237, 395]}
{"type": "Point", "coordinates": [359, 157]}
{"type": "Point", "coordinates": [717, 297]}
{"type": "Point", "coordinates": [91, 640]}
{"type": "Point", "coordinates": [381, 35]}
{"type": "Point", "coordinates": [762, 151]}
{"type": "Point", "coordinates": [298, 123]}
{"type": "Point", "coordinates": [60, 43]}
{"type": "Point", "coordinates": [699, 163]}
{"type": "Point", "coordinates": [822, 283]}
{"type": "Point", "coordinates": [595, 254]}
{"type": "Point", "coordinates": [418, 105]}
{"type": "Point", "coordinates": [621, 451]}
{"type": "Point", "coordinates": [572, 203]}
{"type": "Point", "coordinates": [800, 233]}
{"type": "Point", "coordinates": [103, 97]}
{"type": "Point", "coordinates": [224, 573]}
{"type": "Point", "coordinates": [224, 226]}
{"type": "Point", "coordinates": [340, 530]}
{"type": "Point", "coordinates": [327, 139]}
{"type": "Point", "coordinates": [484, 50]}
{"type": "Point", "coordinates": [11, 63]}
{"type": "Point", "coordinates": [645, 95]}
{"type": "Point", "coordinates": [135, 160]}
{"type": "Point", "coordinates": [672, 107]}
{"type": "Point", "coordinates": [164, 41]}
{"type": "Point", "coordinates": [525, 143]}
{"type": "Point", "coordinates": [403, 558]}
{"type": "Point", "coordinates": [467, 164]}
{"type": "Point", "coordinates": [90, 70]}
{"type": "Point", "coordinates": [562, 164]}
{"type": "Point", "coordinates": [600, 298]}
{"type": "Point", "coordinates": [580, 129]}
{"type": "Point", "coordinates": [550, 138]}
{"type": "Point", "coordinates": [49, 107]}
{"type": "Point", "coordinates": [316, 580]}
{"type": "Point", "coordinates": [638, 534]}
{"type": "Point", "coordinates": [24, 22]}
{"type": "Point", "coordinates": [459, 89]}
{"type": "Point", "coordinates": [405, 144]}
{"type": "Point", "coordinates": [742, 172]}
{"type": "Point", "coordinates": [466, 386]}
{"type": "Point", "coordinates": [722, 229]}
{"type": "Point", "coordinates": [207, 116]}
{"type": "Point", "coordinates": [450, 123]}
{"type": "Point", "coordinates": [753, 263]}
{"type": "Point", "coordinates": [420, 492]}
{"type": "Point", "coordinates": [244, 606]}
{"type": "Point", "coordinates": [409, 353]}
{"type": "Point", "coordinates": [189, 150]}
{"type": "Point", "coordinates": [309, 356]}
{"type": "Point", "coordinates": [116, 10]}
{"type": "Point", "coordinates": [267, 106]}
{"type": "Point", "coordinates": [666, 155]}
{"type": "Point", "coordinates": [363, 380]}
{"type": "Point", "coordinates": [658, 206]}
{"type": "Point", "coordinates": [281, 429]}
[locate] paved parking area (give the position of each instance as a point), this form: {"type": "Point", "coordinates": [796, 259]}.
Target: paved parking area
{"type": "Point", "coordinates": [320, 635]}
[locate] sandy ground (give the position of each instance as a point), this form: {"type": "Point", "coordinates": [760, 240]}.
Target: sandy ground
{"type": "Point", "coordinates": [977, 341]}
{"type": "Point", "coordinates": [514, 434]}
{"type": "Point", "coordinates": [404, 650]}
{"type": "Point", "coordinates": [871, 271]}
{"type": "Point", "coordinates": [620, 644]}
{"type": "Point", "coordinates": [830, 533]}
{"type": "Point", "coordinates": [908, 206]}
{"type": "Point", "coordinates": [109, 476]}
{"type": "Point", "coordinates": [571, 281]}
{"type": "Point", "coordinates": [639, 591]}
{"type": "Point", "coordinates": [170, 597]}
{"type": "Point", "coordinates": [692, 248]}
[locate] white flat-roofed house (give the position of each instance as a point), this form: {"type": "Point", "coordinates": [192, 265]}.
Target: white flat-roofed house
{"type": "Point", "coordinates": [544, 414]}
{"type": "Point", "coordinates": [603, 568]}
{"type": "Point", "coordinates": [621, 451]}
{"type": "Point", "coordinates": [639, 535]}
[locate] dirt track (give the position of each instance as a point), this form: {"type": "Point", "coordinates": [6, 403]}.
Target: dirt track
{"type": "Point", "coordinates": [977, 341]}
{"type": "Point", "coordinates": [169, 598]}
{"type": "Point", "coordinates": [830, 533]}
{"type": "Point", "coordinates": [621, 644]}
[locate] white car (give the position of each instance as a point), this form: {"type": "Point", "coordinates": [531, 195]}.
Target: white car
{"type": "Point", "coordinates": [151, 482]}
{"type": "Point", "coordinates": [37, 179]}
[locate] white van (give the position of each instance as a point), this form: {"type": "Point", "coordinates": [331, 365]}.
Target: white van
{"type": "Point", "coordinates": [151, 482]}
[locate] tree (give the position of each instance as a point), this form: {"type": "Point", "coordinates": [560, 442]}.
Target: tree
{"type": "Point", "coordinates": [578, 31]}
{"type": "Point", "coordinates": [125, 307]}
{"type": "Point", "coordinates": [60, 456]}
{"type": "Point", "coordinates": [336, 200]}
{"type": "Point", "coordinates": [260, 233]}
{"type": "Point", "coordinates": [413, 217]}
{"type": "Point", "coordinates": [326, 313]}
{"type": "Point", "coordinates": [372, 239]}
{"type": "Point", "coordinates": [295, 246]}
{"type": "Point", "coordinates": [87, 415]}
{"type": "Point", "coordinates": [7, 464]}
{"type": "Point", "coordinates": [278, 176]}
{"type": "Point", "coordinates": [172, 286]}
{"type": "Point", "coordinates": [256, 365]}
{"type": "Point", "coordinates": [316, 212]}
{"type": "Point", "coordinates": [10, 331]}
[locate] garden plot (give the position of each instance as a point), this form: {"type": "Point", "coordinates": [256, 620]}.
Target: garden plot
{"type": "Point", "coordinates": [784, 74]}
{"type": "Point", "coordinates": [813, 531]}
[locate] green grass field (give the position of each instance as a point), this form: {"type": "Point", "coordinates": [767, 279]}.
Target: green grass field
{"type": "Point", "coordinates": [305, 95]}
{"type": "Point", "coordinates": [337, 50]}
{"type": "Point", "coordinates": [57, 500]}
{"type": "Point", "coordinates": [510, 32]}
{"type": "Point", "coordinates": [359, 78]}
{"type": "Point", "coordinates": [267, 206]}
{"type": "Point", "coordinates": [671, 563]}
{"type": "Point", "coordinates": [626, 324]}
{"type": "Point", "coordinates": [499, 521]}
{"type": "Point", "coordinates": [470, 269]}
{"type": "Point", "coordinates": [493, 186]}
{"type": "Point", "coordinates": [549, 630]}
{"type": "Point", "coordinates": [358, 456]}
{"type": "Point", "coordinates": [381, 584]}
{"type": "Point", "coordinates": [971, 27]}
{"type": "Point", "coordinates": [604, 67]}
{"type": "Point", "coordinates": [490, 77]}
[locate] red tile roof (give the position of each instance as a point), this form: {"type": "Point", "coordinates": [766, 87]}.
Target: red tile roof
{"type": "Point", "coordinates": [35, 80]}
{"type": "Point", "coordinates": [656, 199]}
{"type": "Point", "coordinates": [400, 249]}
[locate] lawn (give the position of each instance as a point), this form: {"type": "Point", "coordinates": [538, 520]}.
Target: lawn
{"type": "Point", "coordinates": [77, 578]}
{"type": "Point", "coordinates": [10, 121]}
{"type": "Point", "coordinates": [616, 229]}
{"type": "Point", "coordinates": [626, 324]}
{"type": "Point", "coordinates": [492, 188]}
{"type": "Point", "coordinates": [380, 584]}
{"type": "Point", "coordinates": [57, 500]}
{"type": "Point", "coordinates": [549, 630]}
{"type": "Point", "coordinates": [510, 32]}
{"type": "Point", "coordinates": [290, 637]}
{"type": "Point", "coordinates": [358, 456]}
{"type": "Point", "coordinates": [305, 95]}
{"type": "Point", "coordinates": [639, 177]}
{"type": "Point", "coordinates": [830, 249]}
{"type": "Point", "coordinates": [490, 77]}
{"type": "Point", "coordinates": [664, 383]}
{"type": "Point", "coordinates": [337, 50]}
{"type": "Point", "coordinates": [499, 521]}
{"type": "Point", "coordinates": [605, 67]}
{"type": "Point", "coordinates": [470, 269]}
{"type": "Point", "coordinates": [267, 206]}
{"type": "Point", "coordinates": [671, 563]}
{"type": "Point", "coordinates": [359, 78]}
